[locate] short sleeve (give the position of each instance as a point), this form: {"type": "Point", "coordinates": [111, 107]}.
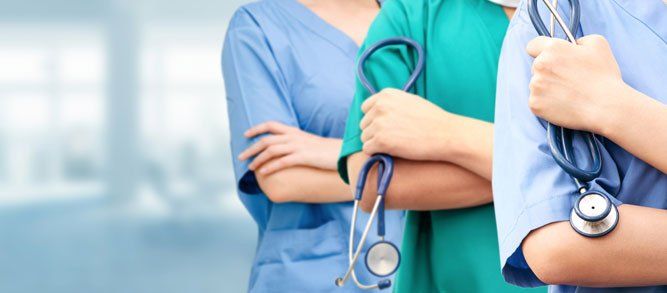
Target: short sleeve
{"type": "Point", "coordinates": [530, 189]}
{"type": "Point", "coordinates": [255, 87]}
{"type": "Point", "coordinates": [387, 68]}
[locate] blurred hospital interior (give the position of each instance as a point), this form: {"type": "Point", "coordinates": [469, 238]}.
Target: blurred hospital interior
{"type": "Point", "coordinates": [115, 169]}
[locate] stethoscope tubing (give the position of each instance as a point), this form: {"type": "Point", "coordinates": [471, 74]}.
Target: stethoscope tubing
{"type": "Point", "coordinates": [419, 66]}
{"type": "Point", "coordinates": [560, 139]}
{"type": "Point", "coordinates": [385, 166]}
{"type": "Point", "coordinates": [353, 258]}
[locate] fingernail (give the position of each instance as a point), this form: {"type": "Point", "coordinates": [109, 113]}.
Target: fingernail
{"type": "Point", "coordinates": [262, 171]}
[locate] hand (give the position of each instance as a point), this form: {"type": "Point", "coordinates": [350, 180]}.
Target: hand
{"type": "Point", "coordinates": [405, 125]}
{"type": "Point", "coordinates": [287, 146]}
{"type": "Point", "coordinates": [574, 85]}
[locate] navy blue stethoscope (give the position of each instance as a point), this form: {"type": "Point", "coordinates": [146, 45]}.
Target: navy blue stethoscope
{"type": "Point", "coordinates": [593, 213]}
{"type": "Point", "coordinates": [383, 257]}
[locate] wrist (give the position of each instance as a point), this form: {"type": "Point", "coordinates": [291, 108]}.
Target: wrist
{"type": "Point", "coordinates": [444, 146]}
{"type": "Point", "coordinates": [618, 106]}
{"type": "Point", "coordinates": [332, 148]}
{"type": "Point", "coordinates": [460, 138]}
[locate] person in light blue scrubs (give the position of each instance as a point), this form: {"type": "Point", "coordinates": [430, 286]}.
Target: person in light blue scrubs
{"type": "Point", "coordinates": [613, 84]}
{"type": "Point", "coordinates": [290, 78]}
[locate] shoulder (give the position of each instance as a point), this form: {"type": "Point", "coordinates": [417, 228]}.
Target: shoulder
{"type": "Point", "coordinates": [250, 15]}
{"type": "Point", "coordinates": [261, 22]}
{"type": "Point", "coordinates": [399, 18]}
{"type": "Point", "coordinates": [269, 16]}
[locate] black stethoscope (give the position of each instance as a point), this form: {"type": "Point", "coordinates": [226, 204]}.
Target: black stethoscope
{"type": "Point", "coordinates": [593, 214]}
{"type": "Point", "coordinates": [383, 257]}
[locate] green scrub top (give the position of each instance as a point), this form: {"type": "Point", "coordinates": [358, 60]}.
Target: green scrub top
{"type": "Point", "coordinates": [449, 250]}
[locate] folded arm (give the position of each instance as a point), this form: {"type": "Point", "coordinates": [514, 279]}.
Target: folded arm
{"type": "Point", "coordinates": [635, 254]}
{"type": "Point", "coordinates": [423, 185]}
{"type": "Point", "coordinates": [639, 125]}
{"type": "Point", "coordinates": [587, 92]}
{"type": "Point", "coordinates": [304, 184]}
{"type": "Point", "coordinates": [292, 165]}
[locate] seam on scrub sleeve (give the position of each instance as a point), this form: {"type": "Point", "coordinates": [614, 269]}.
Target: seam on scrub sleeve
{"type": "Point", "coordinates": [640, 21]}
{"type": "Point", "coordinates": [350, 146]}
{"type": "Point", "coordinates": [514, 267]}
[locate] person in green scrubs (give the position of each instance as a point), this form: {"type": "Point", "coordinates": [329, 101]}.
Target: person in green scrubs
{"type": "Point", "coordinates": [441, 137]}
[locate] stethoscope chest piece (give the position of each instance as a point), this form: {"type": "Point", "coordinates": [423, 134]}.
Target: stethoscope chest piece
{"type": "Point", "coordinates": [383, 258]}
{"type": "Point", "coordinates": [593, 215]}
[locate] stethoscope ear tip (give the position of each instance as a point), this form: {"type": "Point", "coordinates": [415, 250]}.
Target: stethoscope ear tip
{"type": "Point", "coordinates": [339, 282]}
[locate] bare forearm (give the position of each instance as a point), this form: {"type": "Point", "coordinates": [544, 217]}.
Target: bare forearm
{"type": "Point", "coordinates": [634, 254]}
{"type": "Point", "coordinates": [424, 185]}
{"type": "Point", "coordinates": [472, 147]}
{"type": "Point", "coordinates": [639, 125]}
{"type": "Point", "coordinates": [304, 184]}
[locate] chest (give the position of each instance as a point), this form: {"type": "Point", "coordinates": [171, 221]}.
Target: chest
{"type": "Point", "coordinates": [461, 72]}
{"type": "Point", "coordinates": [320, 79]}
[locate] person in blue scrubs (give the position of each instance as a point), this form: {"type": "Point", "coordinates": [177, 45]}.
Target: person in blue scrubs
{"type": "Point", "coordinates": [611, 83]}
{"type": "Point", "coordinates": [289, 77]}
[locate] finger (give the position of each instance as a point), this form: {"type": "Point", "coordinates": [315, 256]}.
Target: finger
{"type": "Point", "coordinates": [368, 119]}
{"type": "Point", "coordinates": [369, 103]}
{"type": "Point", "coordinates": [369, 147]}
{"type": "Point", "coordinates": [537, 45]}
{"type": "Point", "coordinates": [259, 146]}
{"type": "Point", "coordinates": [271, 126]}
{"type": "Point", "coordinates": [268, 154]}
{"type": "Point", "coordinates": [368, 133]}
{"type": "Point", "coordinates": [279, 164]}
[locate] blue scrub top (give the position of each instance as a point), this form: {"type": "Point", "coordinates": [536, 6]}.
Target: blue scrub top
{"type": "Point", "coordinates": [530, 190]}
{"type": "Point", "coordinates": [282, 62]}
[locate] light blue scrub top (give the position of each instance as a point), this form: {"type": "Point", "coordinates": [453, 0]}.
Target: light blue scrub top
{"type": "Point", "coordinates": [282, 62]}
{"type": "Point", "coordinates": [530, 190]}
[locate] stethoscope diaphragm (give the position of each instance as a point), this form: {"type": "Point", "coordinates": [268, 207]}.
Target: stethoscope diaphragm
{"type": "Point", "coordinates": [594, 215]}
{"type": "Point", "coordinates": [383, 258]}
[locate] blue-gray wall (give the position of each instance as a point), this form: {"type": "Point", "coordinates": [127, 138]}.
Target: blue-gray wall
{"type": "Point", "coordinates": [115, 172]}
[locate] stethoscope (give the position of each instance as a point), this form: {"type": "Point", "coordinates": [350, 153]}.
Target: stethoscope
{"type": "Point", "coordinates": [593, 213]}
{"type": "Point", "coordinates": [383, 257]}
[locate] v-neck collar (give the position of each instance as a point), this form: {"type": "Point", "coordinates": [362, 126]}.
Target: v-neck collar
{"type": "Point", "coordinates": [319, 26]}
{"type": "Point", "coordinates": [654, 16]}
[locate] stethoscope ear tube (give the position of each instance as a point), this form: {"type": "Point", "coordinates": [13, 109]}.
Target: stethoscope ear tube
{"type": "Point", "coordinates": [419, 67]}
{"type": "Point", "coordinates": [541, 28]}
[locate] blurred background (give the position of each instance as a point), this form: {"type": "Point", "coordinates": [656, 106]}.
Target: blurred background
{"type": "Point", "coordinates": [115, 170]}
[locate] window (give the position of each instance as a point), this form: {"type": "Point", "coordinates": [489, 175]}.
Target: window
{"type": "Point", "coordinates": [51, 111]}
{"type": "Point", "coordinates": [183, 112]}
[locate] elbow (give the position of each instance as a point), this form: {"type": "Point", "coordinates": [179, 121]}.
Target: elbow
{"type": "Point", "coordinates": [277, 195]}
{"type": "Point", "coordinates": [275, 189]}
{"type": "Point", "coordinates": [549, 252]}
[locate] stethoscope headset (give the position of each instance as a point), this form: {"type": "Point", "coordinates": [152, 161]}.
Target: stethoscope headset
{"type": "Point", "coordinates": [383, 257]}
{"type": "Point", "coordinates": [593, 213]}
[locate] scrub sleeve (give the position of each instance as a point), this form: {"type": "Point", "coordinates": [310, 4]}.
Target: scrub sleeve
{"type": "Point", "coordinates": [261, 93]}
